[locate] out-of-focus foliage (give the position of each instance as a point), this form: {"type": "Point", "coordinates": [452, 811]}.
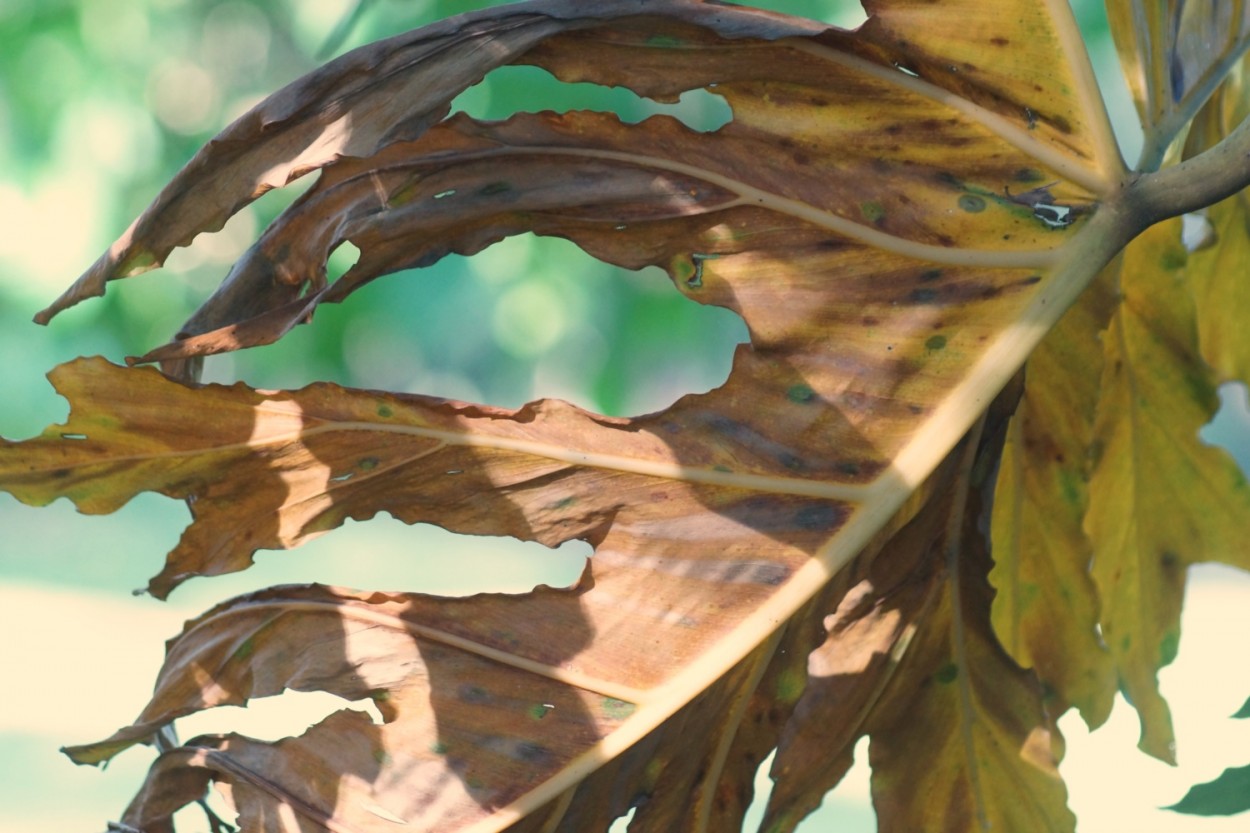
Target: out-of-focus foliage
{"type": "Point", "coordinates": [97, 113]}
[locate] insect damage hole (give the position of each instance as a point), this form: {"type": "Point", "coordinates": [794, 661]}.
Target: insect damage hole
{"type": "Point", "coordinates": [533, 317]}
{"type": "Point", "coordinates": [513, 89]}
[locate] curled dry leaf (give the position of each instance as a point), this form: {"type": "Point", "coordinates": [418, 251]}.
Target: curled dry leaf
{"type": "Point", "coordinates": [897, 213]}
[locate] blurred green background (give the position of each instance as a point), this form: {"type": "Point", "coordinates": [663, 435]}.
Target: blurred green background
{"type": "Point", "coordinates": [100, 102]}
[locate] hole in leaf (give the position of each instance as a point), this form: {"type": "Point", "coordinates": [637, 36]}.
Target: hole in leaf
{"type": "Point", "coordinates": [1230, 427]}
{"type": "Point", "coordinates": [285, 715]}
{"type": "Point", "coordinates": [192, 816]}
{"type": "Point", "coordinates": [535, 317]}
{"type": "Point", "coordinates": [342, 259]}
{"type": "Point", "coordinates": [1197, 232]}
{"type": "Point", "coordinates": [848, 14]}
{"type": "Point", "coordinates": [621, 825]}
{"type": "Point", "coordinates": [516, 89]}
{"type": "Point", "coordinates": [386, 554]}
{"type": "Point", "coordinates": [847, 808]}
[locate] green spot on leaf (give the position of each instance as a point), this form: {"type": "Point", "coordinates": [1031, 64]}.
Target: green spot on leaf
{"type": "Point", "coordinates": [538, 711]}
{"type": "Point", "coordinates": [1169, 647]}
{"type": "Point", "coordinates": [1174, 258]}
{"type": "Point", "coordinates": [872, 210]}
{"type": "Point", "coordinates": [664, 41]}
{"type": "Point", "coordinates": [936, 342]}
{"type": "Point", "coordinates": [616, 709]}
{"type": "Point", "coordinates": [947, 674]}
{"type": "Point", "coordinates": [438, 748]}
{"type": "Point", "coordinates": [801, 394]}
{"type": "Point", "coordinates": [790, 684]}
{"type": "Point", "coordinates": [972, 203]}
{"type": "Point", "coordinates": [385, 411]}
{"type": "Point", "coordinates": [244, 651]}
{"type": "Point", "coordinates": [367, 463]}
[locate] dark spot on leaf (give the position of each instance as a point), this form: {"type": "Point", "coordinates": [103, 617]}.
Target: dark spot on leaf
{"type": "Point", "coordinates": [473, 694]}
{"type": "Point", "coordinates": [819, 516]}
{"type": "Point", "coordinates": [849, 467]}
{"type": "Point", "coordinates": [947, 673]}
{"type": "Point", "coordinates": [59, 473]}
{"type": "Point", "coordinates": [722, 468]}
{"type": "Point", "coordinates": [972, 203]}
{"type": "Point", "coordinates": [870, 321]}
{"type": "Point", "coordinates": [1174, 257]}
{"type": "Point", "coordinates": [790, 461]}
{"type": "Point", "coordinates": [1061, 124]}
{"type": "Point", "coordinates": [999, 41]}
{"type": "Point", "coordinates": [769, 574]}
{"type": "Point", "coordinates": [1027, 175]}
{"type": "Point", "coordinates": [494, 188]}
{"type": "Point", "coordinates": [531, 752]}
{"type": "Point", "coordinates": [930, 275]}
{"type": "Point", "coordinates": [935, 342]}
{"type": "Point", "coordinates": [922, 296]}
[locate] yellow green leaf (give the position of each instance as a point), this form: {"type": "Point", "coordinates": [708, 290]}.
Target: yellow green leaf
{"type": "Point", "coordinates": [1223, 301]}
{"type": "Point", "coordinates": [1160, 499]}
{"type": "Point", "coordinates": [1046, 608]}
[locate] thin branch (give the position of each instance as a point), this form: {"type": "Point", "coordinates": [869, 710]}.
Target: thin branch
{"type": "Point", "coordinates": [1196, 183]}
